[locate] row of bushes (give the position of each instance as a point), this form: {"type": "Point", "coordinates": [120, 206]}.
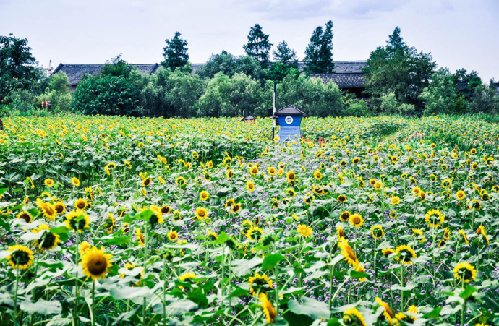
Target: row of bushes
{"type": "Point", "coordinates": [121, 89]}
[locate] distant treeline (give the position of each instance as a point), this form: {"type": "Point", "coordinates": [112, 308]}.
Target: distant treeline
{"type": "Point", "coordinates": [399, 80]}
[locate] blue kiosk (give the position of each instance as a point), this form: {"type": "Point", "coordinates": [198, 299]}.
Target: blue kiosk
{"type": "Point", "coordinates": [289, 118]}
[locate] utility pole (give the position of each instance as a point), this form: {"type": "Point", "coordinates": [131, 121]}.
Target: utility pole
{"type": "Point", "coordinates": [273, 112]}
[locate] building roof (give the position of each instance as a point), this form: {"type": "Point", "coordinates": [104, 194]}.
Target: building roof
{"type": "Point", "coordinates": [76, 71]}
{"type": "Point", "coordinates": [346, 73]}
{"type": "Point", "coordinates": [290, 110]}
{"type": "Point", "coordinates": [344, 80]}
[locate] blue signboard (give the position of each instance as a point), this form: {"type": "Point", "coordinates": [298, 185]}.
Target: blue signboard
{"type": "Point", "coordinates": [290, 128]}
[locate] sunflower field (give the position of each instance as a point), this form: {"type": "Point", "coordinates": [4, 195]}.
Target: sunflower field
{"type": "Point", "coordinates": [139, 221]}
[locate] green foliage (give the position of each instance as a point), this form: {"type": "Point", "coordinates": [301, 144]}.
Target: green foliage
{"type": "Point", "coordinates": [258, 46]}
{"type": "Point", "coordinates": [319, 52]}
{"type": "Point", "coordinates": [171, 94]}
{"type": "Point", "coordinates": [466, 83]}
{"type": "Point", "coordinates": [355, 107]}
{"type": "Point", "coordinates": [485, 99]}
{"type": "Point", "coordinates": [285, 55]}
{"type": "Point", "coordinates": [17, 70]}
{"type": "Point", "coordinates": [399, 69]}
{"type": "Point", "coordinates": [175, 52]}
{"type": "Point", "coordinates": [441, 95]}
{"type": "Point", "coordinates": [116, 91]}
{"type": "Point", "coordinates": [229, 65]}
{"type": "Point", "coordinates": [57, 93]}
{"type": "Point", "coordinates": [311, 95]}
{"type": "Point", "coordinates": [229, 96]}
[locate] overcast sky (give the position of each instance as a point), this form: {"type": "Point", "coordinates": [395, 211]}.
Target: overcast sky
{"type": "Point", "coordinates": [458, 33]}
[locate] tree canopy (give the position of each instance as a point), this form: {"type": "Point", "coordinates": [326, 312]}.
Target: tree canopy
{"type": "Point", "coordinates": [175, 52]}
{"type": "Point", "coordinates": [399, 69]}
{"type": "Point", "coordinates": [319, 52]}
{"type": "Point", "coordinates": [258, 46]}
{"type": "Point", "coordinates": [17, 67]}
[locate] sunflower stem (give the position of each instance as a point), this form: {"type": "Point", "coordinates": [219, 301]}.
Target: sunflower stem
{"type": "Point", "coordinates": [402, 290]}
{"type": "Point", "coordinates": [93, 303]}
{"type": "Point", "coordinates": [15, 296]}
{"type": "Point", "coordinates": [164, 290]}
{"type": "Point", "coordinates": [463, 307]}
{"type": "Point", "coordinates": [146, 244]}
{"type": "Point", "coordinates": [77, 290]}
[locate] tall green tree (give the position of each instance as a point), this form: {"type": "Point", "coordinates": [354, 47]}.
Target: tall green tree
{"type": "Point", "coordinates": [466, 83]}
{"type": "Point", "coordinates": [399, 69]}
{"type": "Point", "coordinates": [17, 70]}
{"type": "Point", "coordinates": [229, 64]}
{"type": "Point", "coordinates": [116, 90]}
{"type": "Point", "coordinates": [319, 52]}
{"type": "Point", "coordinates": [175, 52]}
{"type": "Point", "coordinates": [285, 55]}
{"type": "Point", "coordinates": [258, 46]}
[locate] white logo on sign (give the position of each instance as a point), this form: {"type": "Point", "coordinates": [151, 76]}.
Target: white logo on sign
{"type": "Point", "coordinates": [289, 120]}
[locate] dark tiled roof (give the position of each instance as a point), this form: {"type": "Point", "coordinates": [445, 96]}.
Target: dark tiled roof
{"type": "Point", "coordinates": [342, 67]}
{"type": "Point", "coordinates": [76, 71]}
{"type": "Point", "coordinates": [345, 80]}
{"type": "Point", "coordinates": [290, 110]}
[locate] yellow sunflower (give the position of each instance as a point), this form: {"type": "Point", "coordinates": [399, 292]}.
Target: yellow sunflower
{"type": "Point", "coordinates": [268, 309]}
{"type": "Point", "coordinates": [27, 217]}
{"type": "Point", "coordinates": [250, 186]}
{"type": "Point", "coordinates": [340, 233]}
{"type": "Point", "coordinates": [172, 236]}
{"type": "Point", "coordinates": [464, 272]}
{"type": "Point", "coordinates": [377, 232]}
{"type": "Point", "coordinates": [395, 200]}
{"type": "Point", "coordinates": [75, 181]}
{"type": "Point", "coordinates": [387, 252]}
{"type": "Point", "coordinates": [84, 246]}
{"type": "Point", "coordinates": [140, 237]}
{"type": "Point", "coordinates": [260, 284]}
{"type": "Point", "coordinates": [317, 175]}
{"type": "Point", "coordinates": [481, 231]}
{"type": "Point", "coordinates": [388, 314]}
{"type": "Point", "coordinates": [356, 220]}
{"type": "Point", "coordinates": [463, 235]}
{"type": "Point", "coordinates": [254, 233]}
{"type": "Point", "coordinates": [49, 182]}
{"type": "Point", "coordinates": [348, 253]}
{"type": "Point", "coordinates": [405, 254]}
{"type": "Point", "coordinates": [166, 209]}
{"type": "Point", "coordinates": [77, 221]}
{"type": "Point", "coordinates": [146, 182]}
{"type": "Point", "coordinates": [345, 216]}
{"type": "Point", "coordinates": [81, 204]}
{"type": "Point", "coordinates": [201, 213]}
{"type": "Point", "coordinates": [180, 181]}
{"type": "Point", "coordinates": [342, 198]}
{"type": "Point", "coordinates": [418, 234]}
{"type": "Point", "coordinates": [60, 208]}
{"type": "Point", "coordinates": [96, 263]}
{"type": "Point", "coordinates": [48, 240]}
{"type": "Point", "coordinates": [304, 230]}
{"type": "Point", "coordinates": [434, 218]}
{"type": "Point", "coordinates": [460, 195]}
{"type": "Point", "coordinates": [20, 257]}
{"type": "Point", "coordinates": [47, 209]}
{"type": "Point", "coordinates": [204, 195]}
{"type": "Point", "coordinates": [253, 170]}
{"type": "Point", "coordinates": [236, 207]}
{"type": "Point", "coordinates": [353, 317]}
{"type": "Point", "coordinates": [271, 170]}
{"type": "Point", "coordinates": [212, 236]}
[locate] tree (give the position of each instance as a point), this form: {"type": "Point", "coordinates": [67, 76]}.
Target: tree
{"type": "Point", "coordinates": [229, 65]}
{"type": "Point", "coordinates": [258, 46]}
{"type": "Point", "coordinates": [285, 55]}
{"type": "Point", "coordinates": [399, 69]}
{"type": "Point", "coordinates": [114, 91]}
{"type": "Point", "coordinates": [17, 70]}
{"type": "Point", "coordinates": [229, 96]}
{"type": "Point", "coordinates": [57, 93]}
{"type": "Point", "coordinates": [319, 52]}
{"type": "Point", "coordinates": [466, 83]}
{"type": "Point", "coordinates": [441, 95]}
{"type": "Point", "coordinates": [175, 52]}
